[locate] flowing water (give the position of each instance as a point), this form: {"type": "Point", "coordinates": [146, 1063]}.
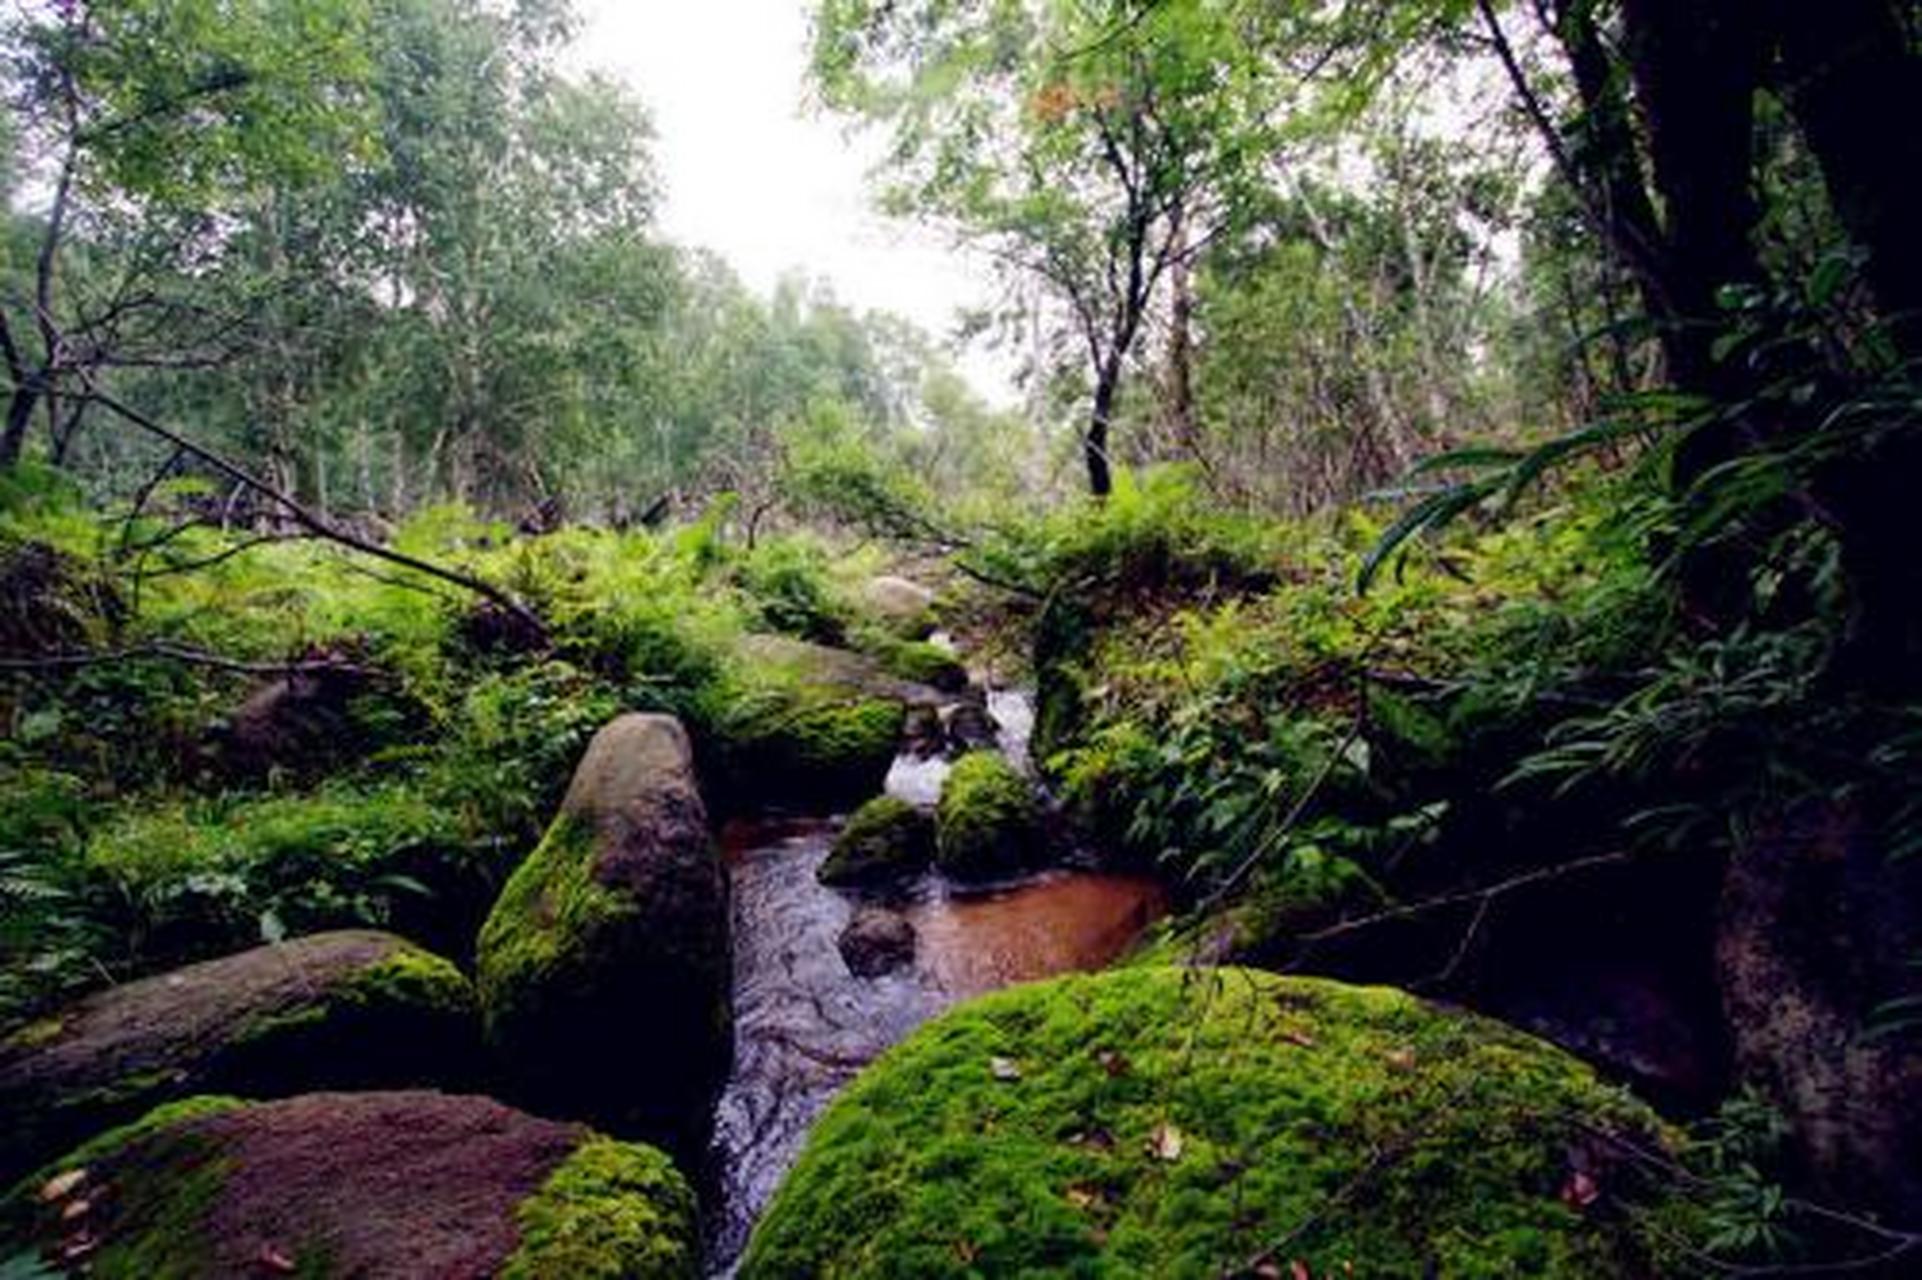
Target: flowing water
{"type": "Point", "coordinates": [804, 1025]}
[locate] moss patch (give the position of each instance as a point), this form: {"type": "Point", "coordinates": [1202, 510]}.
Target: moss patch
{"type": "Point", "coordinates": [808, 752]}
{"type": "Point", "coordinates": [1178, 1123]}
{"type": "Point", "coordinates": [615, 1210]}
{"type": "Point", "coordinates": [145, 1188]}
{"type": "Point", "coordinates": [547, 919]}
{"type": "Point", "coordinates": [987, 823]}
{"type": "Point", "coordinates": [885, 838]}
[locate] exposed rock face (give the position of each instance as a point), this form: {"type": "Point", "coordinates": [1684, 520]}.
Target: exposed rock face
{"type": "Point", "coordinates": [1163, 1121]}
{"type": "Point", "coordinates": [603, 969]}
{"type": "Point", "coordinates": [904, 606]}
{"type": "Point", "coordinates": [885, 840]}
{"type": "Point", "coordinates": [876, 941]}
{"type": "Point", "coordinates": [987, 823]}
{"type": "Point", "coordinates": [970, 727]}
{"type": "Point", "coordinates": [348, 1009]}
{"type": "Point", "coordinates": [378, 1186]}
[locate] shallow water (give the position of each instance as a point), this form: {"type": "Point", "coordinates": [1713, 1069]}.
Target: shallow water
{"type": "Point", "coordinates": [804, 1026]}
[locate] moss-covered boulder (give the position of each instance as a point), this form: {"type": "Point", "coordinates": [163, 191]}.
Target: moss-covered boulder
{"type": "Point", "coordinates": [885, 840]}
{"type": "Point", "coordinates": [902, 605]}
{"type": "Point", "coordinates": [1200, 1123]}
{"type": "Point", "coordinates": [810, 752]}
{"type": "Point", "coordinates": [924, 664]}
{"type": "Point", "coordinates": [378, 1186]}
{"type": "Point", "coordinates": [987, 823]}
{"type": "Point", "coordinates": [603, 969]}
{"type": "Point", "coordinates": [351, 1009]}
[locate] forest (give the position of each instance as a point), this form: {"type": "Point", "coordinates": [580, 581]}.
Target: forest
{"type": "Point", "coordinates": [1392, 747]}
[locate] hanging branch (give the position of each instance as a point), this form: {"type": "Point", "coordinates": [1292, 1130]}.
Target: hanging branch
{"type": "Point", "coordinates": [310, 520]}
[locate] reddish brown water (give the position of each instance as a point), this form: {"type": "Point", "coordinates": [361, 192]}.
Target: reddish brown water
{"type": "Point", "coordinates": [804, 1025]}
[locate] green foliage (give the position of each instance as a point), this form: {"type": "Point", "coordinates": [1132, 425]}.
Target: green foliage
{"type": "Point", "coordinates": [1160, 1121]}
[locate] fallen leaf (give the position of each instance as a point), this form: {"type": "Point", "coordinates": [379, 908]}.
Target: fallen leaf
{"type": "Point", "coordinates": [1301, 1038]}
{"type": "Point", "coordinates": [277, 1260]}
{"type": "Point", "coordinates": [1267, 1271]}
{"type": "Point", "coordinates": [1298, 1270]}
{"type": "Point", "coordinates": [62, 1185]}
{"type": "Point", "coordinates": [76, 1209]}
{"type": "Point", "coordinates": [1580, 1191]}
{"type": "Point", "coordinates": [1004, 1068]}
{"type": "Point", "coordinates": [78, 1247]}
{"type": "Point", "coordinates": [1165, 1143]}
{"type": "Point", "coordinates": [1082, 1198]}
{"type": "Point", "coordinates": [1115, 1064]}
{"type": "Point", "coordinates": [1402, 1059]}
{"type": "Point", "coordinates": [965, 1250]}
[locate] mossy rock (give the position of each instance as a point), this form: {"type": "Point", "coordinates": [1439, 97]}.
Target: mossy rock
{"type": "Point", "coordinates": [925, 664]}
{"type": "Point", "coordinates": [903, 606]}
{"type": "Point", "coordinates": [1166, 1122]}
{"type": "Point", "coordinates": [372, 1185]}
{"type": "Point", "coordinates": [886, 839]}
{"type": "Point", "coordinates": [987, 823]}
{"type": "Point", "coordinates": [349, 1009]}
{"type": "Point", "coordinates": [808, 752]}
{"type": "Point", "coordinates": [604, 967]}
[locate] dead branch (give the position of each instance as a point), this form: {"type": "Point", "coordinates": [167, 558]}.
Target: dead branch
{"type": "Point", "coordinates": [310, 520]}
{"type": "Point", "coordinates": [160, 650]}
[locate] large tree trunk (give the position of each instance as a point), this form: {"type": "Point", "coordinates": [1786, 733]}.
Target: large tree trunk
{"type": "Point", "coordinates": [1818, 927]}
{"type": "Point", "coordinates": [1855, 87]}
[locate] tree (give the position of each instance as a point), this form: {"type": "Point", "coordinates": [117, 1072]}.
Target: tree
{"type": "Point", "coordinates": [1095, 147]}
{"type": "Point", "coordinates": [149, 122]}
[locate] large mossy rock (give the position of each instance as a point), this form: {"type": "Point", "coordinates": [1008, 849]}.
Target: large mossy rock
{"type": "Point", "coordinates": [603, 969]}
{"type": "Point", "coordinates": [886, 839]}
{"type": "Point", "coordinates": [902, 605]}
{"type": "Point", "coordinates": [377, 1186]}
{"type": "Point", "coordinates": [987, 823]}
{"type": "Point", "coordinates": [1169, 1123]}
{"type": "Point", "coordinates": [351, 1009]}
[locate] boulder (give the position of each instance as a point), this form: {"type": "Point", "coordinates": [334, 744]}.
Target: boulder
{"type": "Point", "coordinates": [987, 823]}
{"type": "Point", "coordinates": [876, 941]}
{"type": "Point", "coordinates": [900, 604]}
{"type": "Point", "coordinates": [301, 724]}
{"type": "Point", "coordinates": [378, 1186]}
{"type": "Point", "coordinates": [351, 1009]}
{"type": "Point", "coordinates": [886, 839]}
{"type": "Point", "coordinates": [603, 968]}
{"type": "Point", "coordinates": [1163, 1121]}
{"type": "Point", "coordinates": [970, 727]}
{"type": "Point", "coordinates": [824, 670]}
{"type": "Point", "coordinates": [818, 736]}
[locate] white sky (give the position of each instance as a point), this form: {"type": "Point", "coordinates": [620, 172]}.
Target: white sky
{"type": "Point", "coordinates": [750, 172]}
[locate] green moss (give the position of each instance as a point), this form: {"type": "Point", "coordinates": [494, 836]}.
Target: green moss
{"type": "Point", "coordinates": [987, 822]}
{"type": "Point", "coordinates": [35, 1034]}
{"type": "Point", "coordinates": [548, 919]}
{"type": "Point", "coordinates": [613, 1209]}
{"type": "Point", "coordinates": [1175, 1123]}
{"type": "Point", "coordinates": [802, 750]}
{"type": "Point", "coordinates": [922, 663]}
{"type": "Point", "coordinates": [163, 1177]}
{"type": "Point", "coordinates": [412, 978]}
{"type": "Point", "coordinates": [886, 837]}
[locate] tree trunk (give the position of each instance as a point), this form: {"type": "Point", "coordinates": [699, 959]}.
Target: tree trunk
{"type": "Point", "coordinates": [1855, 88]}
{"type": "Point", "coordinates": [13, 439]}
{"type": "Point", "coordinates": [1095, 445]}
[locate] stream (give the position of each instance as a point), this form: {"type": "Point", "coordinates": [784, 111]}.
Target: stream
{"type": "Point", "coordinates": [804, 1025]}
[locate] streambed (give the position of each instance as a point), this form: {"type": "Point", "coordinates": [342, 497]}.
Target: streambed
{"type": "Point", "coordinates": [804, 1025]}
